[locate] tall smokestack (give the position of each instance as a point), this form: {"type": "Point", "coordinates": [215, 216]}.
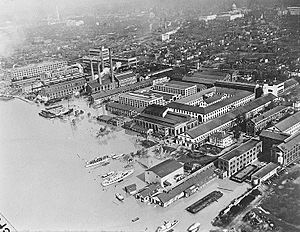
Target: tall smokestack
{"type": "Point", "coordinates": [93, 77]}
{"type": "Point", "coordinates": [111, 66]}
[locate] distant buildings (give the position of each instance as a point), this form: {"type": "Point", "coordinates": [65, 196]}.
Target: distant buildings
{"type": "Point", "coordinates": [34, 70]}
{"type": "Point", "coordinates": [240, 157]}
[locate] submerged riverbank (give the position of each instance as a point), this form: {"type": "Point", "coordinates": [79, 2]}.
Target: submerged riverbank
{"type": "Point", "coordinates": [47, 187]}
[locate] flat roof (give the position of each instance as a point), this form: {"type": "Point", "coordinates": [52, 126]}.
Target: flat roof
{"type": "Point", "coordinates": [269, 113]}
{"type": "Point", "coordinates": [195, 96]}
{"type": "Point", "coordinates": [177, 84]}
{"type": "Point", "coordinates": [236, 152]}
{"type": "Point", "coordinates": [165, 168]}
{"type": "Point", "coordinates": [274, 135]}
{"type": "Point", "coordinates": [141, 96]}
{"type": "Point", "coordinates": [290, 142]}
{"type": "Point", "coordinates": [265, 170]}
{"type": "Point", "coordinates": [288, 122]}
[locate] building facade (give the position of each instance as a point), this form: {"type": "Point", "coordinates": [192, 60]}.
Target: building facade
{"type": "Point", "coordinates": [260, 122]}
{"type": "Point", "coordinates": [63, 89]}
{"type": "Point", "coordinates": [34, 70]}
{"type": "Point", "coordinates": [240, 157]}
{"type": "Point", "coordinates": [177, 87]}
{"type": "Point", "coordinates": [288, 151]}
{"type": "Point", "coordinates": [140, 100]}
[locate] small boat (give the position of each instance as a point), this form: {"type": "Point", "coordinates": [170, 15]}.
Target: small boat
{"type": "Point", "coordinates": [107, 174]}
{"type": "Point", "coordinates": [117, 177]}
{"type": "Point", "coordinates": [119, 197]}
{"type": "Point", "coordinates": [97, 161]}
{"type": "Point", "coordinates": [167, 226]}
{"type": "Point", "coordinates": [194, 227]}
{"type": "Point", "coordinates": [135, 219]}
{"type": "Point", "coordinates": [117, 156]}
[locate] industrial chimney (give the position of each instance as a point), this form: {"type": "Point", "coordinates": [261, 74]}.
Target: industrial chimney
{"type": "Point", "coordinates": [111, 66]}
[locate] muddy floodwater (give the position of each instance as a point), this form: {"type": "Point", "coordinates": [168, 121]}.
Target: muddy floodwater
{"type": "Point", "coordinates": [45, 186]}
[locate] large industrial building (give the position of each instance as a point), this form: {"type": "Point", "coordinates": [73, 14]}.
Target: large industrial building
{"type": "Point", "coordinates": [34, 70]}
{"type": "Point", "coordinates": [177, 87]}
{"type": "Point", "coordinates": [139, 100]}
{"type": "Point", "coordinates": [164, 172]}
{"type": "Point", "coordinates": [163, 122]}
{"type": "Point", "coordinates": [288, 151]}
{"type": "Point", "coordinates": [240, 157]}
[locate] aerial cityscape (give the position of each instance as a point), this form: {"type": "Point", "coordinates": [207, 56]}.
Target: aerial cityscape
{"type": "Point", "coordinates": [150, 115]}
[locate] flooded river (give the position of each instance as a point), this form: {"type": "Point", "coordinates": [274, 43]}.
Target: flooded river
{"type": "Point", "coordinates": [44, 185]}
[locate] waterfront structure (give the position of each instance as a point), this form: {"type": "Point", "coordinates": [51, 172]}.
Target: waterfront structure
{"type": "Point", "coordinates": [176, 87]}
{"type": "Point", "coordinates": [288, 151]}
{"type": "Point", "coordinates": [260, 122]}
{"type": "Point", "coordinates": [163, 122]}
{"type": "Point", "coordinates": [240, 157]}
{"type": "Point", "coordinates": [64, 88]}
{"type": "Point", "coordinates": [138, 99]}
{"type": "Point", "coordinates": [34, 70]}
{"type": "Point", "coordinates": [164, 172]}
{"type": "Point", "coordinates": [221, 139]}
{"type": "Point", "coordinates": [289, 125]}
{"type": "Point", "coordinates": [186, 187]}
{"type": "Point", "coordinates": [121, 109]}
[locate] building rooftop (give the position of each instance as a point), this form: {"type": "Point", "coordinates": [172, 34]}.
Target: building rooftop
{"type": "Point", "coordinates": [124, 75]}
{"type": "Point", "coordinates": [209, 126]}
{"type": "Point", "coordinates": [290, 142]}
{"type": "Point", "coordinates": [265, 170]}
{"type": "Point", "coordinates": [141, 96]}
{"type": "Point", "coordinates": [273, 135]}
{"type": "Point", "coordinates": [124, 107]}
{"type": "Point", "coordinates": [290, 82]}
{"type": "Point", "coordinates": [157, 110]}
{"type": "Point", "coordinates": [177, 84]}
{"type": "Point", "coordinates": [198, 179]}
{"type": "Point", "coordinates": [236, 152]}
{"type": "Point", "coordinates": [288, 122]}
{"type": "Point", "coordinates": [165, 168]}
{"type": "Point", "coordinates": [216, 97]}
{"type": "Point", "coordinates": [195, 96]}
{"type": "Point", "coordinates": [269, 113]}
{"type": "Point", "coordinates": [171, 119]}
